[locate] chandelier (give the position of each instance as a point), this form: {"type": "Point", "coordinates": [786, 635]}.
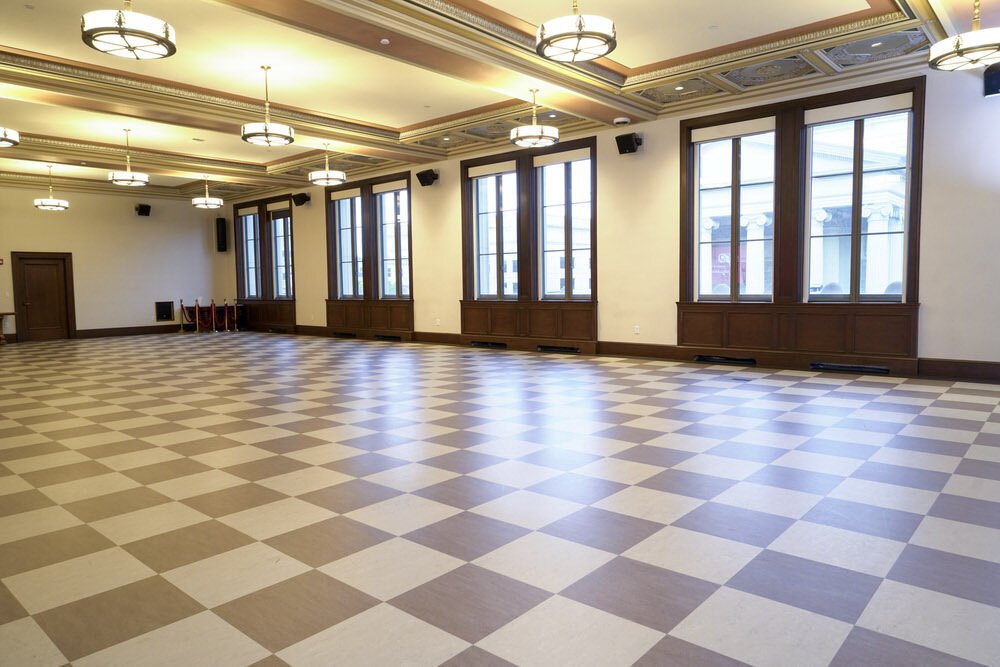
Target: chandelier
{"type": "Point", "coordinates": [326, 176]}
{"type": "Point", "coordinates": [207, 201]}
{"type": "Point", "coordinates": [267, 133]}
{"type": "Point", "coordinates": [968, 50]}
{"type": "Point", "coordinates": [50, 203]}
{"type": "Point", "coordinates": [128, 177]}
{"type": "Point", "coordinates": [9, 137]}
{"type": "Point", "coordinates": [124, 33]}
{"type": "Point", "coordinates": [534, 135]}
{"type": "Point", "coordinates": [576, 38]}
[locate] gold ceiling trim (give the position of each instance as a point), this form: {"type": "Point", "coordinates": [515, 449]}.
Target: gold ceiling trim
{"type": "Point", "coordinates": [63, 184]}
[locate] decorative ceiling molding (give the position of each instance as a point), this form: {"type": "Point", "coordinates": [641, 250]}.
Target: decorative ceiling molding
{"type": "Point", "coordinates": [64, 184]}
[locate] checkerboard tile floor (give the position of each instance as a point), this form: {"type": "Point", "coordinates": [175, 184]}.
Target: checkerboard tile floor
{"type": "Point", "coordinates": [258, 499]}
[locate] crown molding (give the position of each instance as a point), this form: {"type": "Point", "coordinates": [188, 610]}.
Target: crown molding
{"type": "Point", "coordinates": [63, 184]}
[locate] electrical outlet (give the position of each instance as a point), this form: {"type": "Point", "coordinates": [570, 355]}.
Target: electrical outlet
{"type": "Point", "coordinates": [437, 322]}
{"type": "Point", "coordinates": [635, 330]}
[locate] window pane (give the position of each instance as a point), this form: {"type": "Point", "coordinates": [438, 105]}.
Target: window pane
{"type": "Point", "coordinates": [404, 239]}
{"type": "Point", "coordinates": [883, 201]}
{"type": "Point", "coordinates": [404, 277]}
{"type": "Point", "coordinates": [886, 141]}
{"type": "Point", "coordinates": [715, 164]}
{"type": "Point", "coordinates": [580, 181]}
{"type": "Point", "coordinates": [833, 148]}
{"type": "Point", "coordinates": [389, 278]}
{"type": "Point", "coordinates": [508, 186]}
{"type": "Point", "coordinates": [714, 210]}
{"type": "Point", "coordinates": [359, 278]}
{"type": "Point", "coordinates": [714, 269]}
{"type": "Point", "coordinates": [882, 264]}
{"type": "Point", "coordinates": [510, 274]}
{"type": "Point", "coordinates": [487, 275]}
{"type": "Point", "coordinates": [510, 231]}
{"type": "Point", "coordinates": [581, 272]}
{"type": "Point", "coordinates": [344, 249]}
{"type": "Point", "coordinates": [554, 229]}
{"type": "Point", "coordinates": [250, 250]}
{"type": "Point", "coordinates": [388, 241]}
{"type": "Point", "coordinates": [554, 272]}
{"type": "Point", "coordinates": [830, 265]}
{"type": "Point", "coordinates": [346, 284]}
{"type": "Point", "coordinates": [757, 211]}
{"type": "Point", "coordinates": [756, 267]}
{"type": "Point", "coordinates": [830, 208]}
{"type": "Point", "coordinates": [581, 225]}
{"type": "Point", "coordinates": [486, 194]}
{"type": "Point", "coordinates": [344, 213]}
{"type": "Point", "coordinates": [757, 158]}
{"type": "Point", "coordinates": [487, 233]}
{"type": "Point", "coordinates": [554, 184]}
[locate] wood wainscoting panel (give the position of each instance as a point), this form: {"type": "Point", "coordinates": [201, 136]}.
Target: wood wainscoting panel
{"type": "Point", "coordinates": [269, 314]}
{"type": "Point", "coordinates": [884, 334]}
{"type": "Point", "coordinates": [370, 317]}
{"type": "Point", "coordinates": [553, 321]}
{"type": "Point", "coordinates": [752, 329]}
{"type": "Point", "coordinates": [702, 326]}
{"type": "Point", "coordinates": [822, 332]}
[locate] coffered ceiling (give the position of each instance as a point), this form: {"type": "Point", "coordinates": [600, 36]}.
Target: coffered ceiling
{"type": "Point", "coordinates": [452, 78]}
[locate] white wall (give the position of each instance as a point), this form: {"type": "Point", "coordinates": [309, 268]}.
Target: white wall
{"type": "Point", "coordinates": [122, 263]}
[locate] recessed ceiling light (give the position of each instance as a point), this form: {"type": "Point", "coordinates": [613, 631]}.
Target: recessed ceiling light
{"type": "Point", "coordinates": [713, 27]}
{"type": "Point", "coordinates": [876, 44]}
{"type": "Point", "coordinates": [384, 41]}
{"type": "Point", "coordinates": [679, 88]}
{"type": "Point", "coordinates": [446, 139]}
{"type": "Point", "coordinates": [552, 115]}
{"type": "Point", "coordinates": [29, 6]}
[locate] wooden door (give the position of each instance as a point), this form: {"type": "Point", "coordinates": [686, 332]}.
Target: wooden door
{"type": "Point", "coordinates": [42, 296]}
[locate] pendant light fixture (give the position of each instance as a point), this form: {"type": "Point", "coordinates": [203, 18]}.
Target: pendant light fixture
{"type": "Point", "coordinates": [327, 176]}
{"type": "Point", "coordinates": [534, 135]}
{"type": "Point", "coordinates": [9, 137]}
{"type": "Point", "coordinates": [978, 48]}
{"type": "Point", "coordinates": [267, 133]}
{"type": "Point", "coordinates": [128, 177]}
{"type": "Point", "coordinates": [207, 201]}
{"type": "Point", "coordinates": [124, 33]}
{"type": "Point", "coordinates": [50, 203]}
{"type": "Point", "coordinates": [576, 38]}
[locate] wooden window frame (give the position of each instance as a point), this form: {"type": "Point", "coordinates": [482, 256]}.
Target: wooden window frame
{"type": "Point", "coordinates": [529, 287]}
{"type": "Point", "coordinates": [791, 164]}
{"type": "Point", "coordinates": [379, 224]}
{"type": "Point", "coordinates": [498, 253]}
{"type": "Point", "coordinates": [265, 252]}
{"type": "Point", "coordinates": [289, 283]}
{"type": "Point", "coordinates": [336, 252]}
{"type": "Point", "coordinates": [568, 248]}
{"type": "Point", "coordinates": [370, 241]}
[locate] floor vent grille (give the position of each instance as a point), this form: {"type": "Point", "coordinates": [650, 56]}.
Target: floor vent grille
{"type": "Point", "coordinates": [731, 361]}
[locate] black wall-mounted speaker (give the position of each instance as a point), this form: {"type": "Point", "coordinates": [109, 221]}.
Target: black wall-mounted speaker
{"type": "Point", "coordinates": [427, 177]}
{"type": "Point", "coordinates": [143, 209]}
{"type": "Point", "coordinates": [628, 143]}
{"type": "Point", "coordinates": [991, 80]}
{"type": "Point", "coordinates": [220, 235]}
{"type": "Point", "coordinates": [300, 198]}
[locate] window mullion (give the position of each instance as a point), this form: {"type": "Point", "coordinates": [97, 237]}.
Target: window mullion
{"type": "Point", "coordinates": [354, 248]}
{"type": "Point", "coordinates": [734, 225]}
{"type": "Point", "coordinates": [568, 229]}
{"type": "Point", "coordinates": [498, 217]}
{"type": "Point", "coordinates": [399, 247]}
{"type": "Point", "coordinates": [856, 196]}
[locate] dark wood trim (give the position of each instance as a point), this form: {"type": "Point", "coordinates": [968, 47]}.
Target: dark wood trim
{"type": "Point", "coordinates": [437, 338]}
{"type": "Point", "coordinates": [311, 330]}
{"type": "Point", "coordinates": [17, 273]}
{"type": "Point", "coordinates": [268, 315]}
{"type": "Point", "coordinates": [954, 369]}
{"type": "Point", "coordinates": [531, 343]}
{"type": "Point", "coordinates": [127, 331]}
{"type": "Point", "coordinates": [265, 255]}
{"type": "Point", "coordinates": [370, 317]}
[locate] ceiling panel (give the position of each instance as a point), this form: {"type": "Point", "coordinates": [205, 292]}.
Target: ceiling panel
{"type": "Point", "coordinates": [221, 48]}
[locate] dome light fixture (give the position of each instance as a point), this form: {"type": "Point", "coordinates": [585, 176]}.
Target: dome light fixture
{"type": "Point", "coordinates": [978, 48]}
{"type": "Point", "coordinates": [576, 38]}
{"type": "Point", "coordinates": [207, 201]}
{"type": "Point", "coordinates": [9, 137]}
{"type": "Point", "coordinates": [128, 34]}
{"type": "Point", "coordinates": [534, 135]}
{"type": "Point", "coordinates": [50, 203]}
{"type": "Point", "coordinates": [267, 133]}
{"type": "Point", "coordinates": [128, 177]}
{"type": "Point", "coordinates": [327, 176]}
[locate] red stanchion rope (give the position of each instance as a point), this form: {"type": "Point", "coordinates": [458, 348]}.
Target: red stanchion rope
{"type": "Point", "coordinates": [209, 317]}
{"type": "Point", "coordinates": [225, 316]}
{"type": "Point", "coordinates": [189, 319]}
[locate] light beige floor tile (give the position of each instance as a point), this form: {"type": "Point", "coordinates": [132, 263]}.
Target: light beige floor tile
{"type": "Point", "coordinates": [935, 433]}
{"type": "Point", "coordinates": [891, 496]}
{"type": "Point", "coordinates": [13, 484]}
{"type": "Point", "coordinates": [298, 482]}
{"type": "Point", "coordinates": [200, 640]}
{"type": "Point", "coordinates": [548, 562]}
{"type": "Point", "coordinates": [843, 548]}
{"type": "Point", "coordinates": [958, 537]}
{"type": "Point", "coordinates": [658, 506]}
{"type": "Point", "coordinates": [565, 632]}
{"type": "Point", "coordinates": [822, 463]}
{"type": "Point", "coordinates": [139, 525]}
{"type": "Point", "coordinates": [391, 568]}
{"type": "Point", "coordinates": [910, 459]}
{"type": "Point", "coordinates": [231, 456]}
{"type": "Point", "coordinates": [619, 470]}
{"type": "Point", "coordinates": [233, 574]}
{"type": "Point", "coordinates": [416, 451]}
{"type": "Point", "coordinates": [176, 437]}
{"type": "Point", "coordinates": [411, 477]}
{"type": "Point", "coordinates": [106, 438]}
{"type": "Point", "coordinates": [361, 640]}
{"type": "Point", "coordinates": [403, 514]}
{"type": "Point", "coordinates": [61, 583]}
{"type": "Point", "coordinates": [983, 453]}
{"type": "Point", "coordinates": [762, 632]}
{"type": "Point", "coordinates": [855, 436]}
{"type": "Point", "coordinates": [508, 449]}
{"type": "Point", "coordinates": [528, 509]}
{"type": "Point", "coordinates": [770, 499]}
{"type": "Point", "coordinates": [768, 439]}
{"type": "Point", "coordinates": [973, 487]}
{"type": "Point", "coordinates": [272, 519]}
{"type": "Point", "coordinates": [47, 427]}
{"type": "Point", "coordinates": [939, 621]}
{"type": "Point", "coordinates": [24, 643]}
{"type": "Point", "coordinates": [516, 473]}
{"type": "Point", "coordinates": [23, 440]}
{"type": "Point", "coordinates": [719, 466]}
{"type": "Point", "coordinates": [261, 434]}
{"type": "Point", "coordinates": [196, 484]}
{"type": "Point", "coordinates": [696, 554]}
{"type": "Point", "coordinates": [322, 454]}
{"type": "Point", "coordinates": [21, 466]}
{"type": "Point", "coordinates": [336, 434]}
{"type": "Point", "coordinates": [81, 489]}
{"type": "Point", "coordinates": [141, 458]}
{"type": "Point", "coordinates": [35, 522]}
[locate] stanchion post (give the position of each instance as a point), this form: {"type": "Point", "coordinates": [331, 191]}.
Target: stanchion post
{"type": "Point", "coordinates": [236, 317]}
{"type": "Point", "coordinates": [225, 315]}
{"type": "Point", "coordinates": [212, 313]}
{"type": "Point", "coordinates": [197, 317]}
{"type": "Point", "coordinates": [182, 317]}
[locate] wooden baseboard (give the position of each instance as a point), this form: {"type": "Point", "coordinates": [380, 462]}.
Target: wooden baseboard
{"type": "Point", "coordinates": [954, 369]}
{"type": "Point", "coordinates": [439, 338]}
{"type": "Point", "coordinates": [310, 330]}
{"type": "Point", "coordinates": [128, 331]}
{"type": "Point", "coordinates": [528, 344]}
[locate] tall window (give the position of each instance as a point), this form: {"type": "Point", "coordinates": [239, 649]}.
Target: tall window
{"type": "Point", "coordinates": [567, 220]}
{"type": "Point", "coordinates": [393, 212]}
{"type": "Point", "coordinates": [281, 251]}
{"type": "Point", "coordinates": [349, 247]}
{"type": "Point", "coordinates": [857, 207]}
{"type": "Point", "coordinates": [251, 256]}
{"type": "Point", "coordinates": [735, 217]}
{"type": "Point", "coordinates": [495, 214]}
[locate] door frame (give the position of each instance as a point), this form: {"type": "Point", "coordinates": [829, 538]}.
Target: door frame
{"type": "Point", "coordinates": [17, 273]}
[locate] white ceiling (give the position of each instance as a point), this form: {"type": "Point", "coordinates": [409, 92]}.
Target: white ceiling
{"type": "Point", "coordinates": [72, 171]}
{"type": "Point", "coordinates": [221, 48]}
{"type": "Point", "coordinates": [650, 31]}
